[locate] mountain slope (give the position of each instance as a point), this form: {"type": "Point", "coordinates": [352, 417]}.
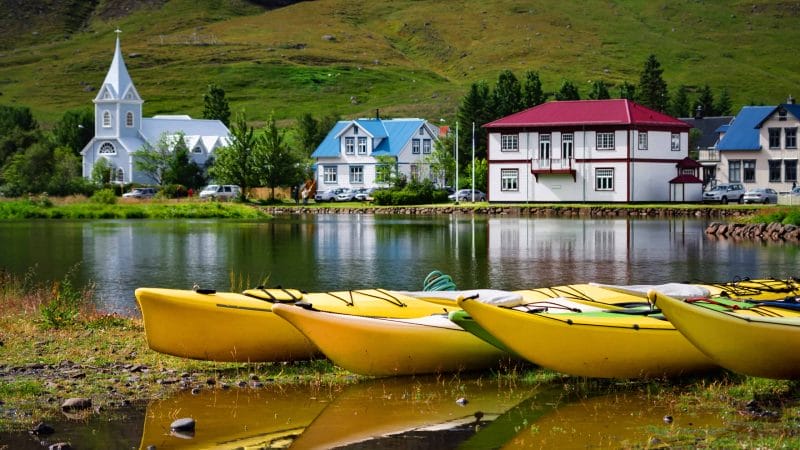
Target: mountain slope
{"type": "Point", "coordinates": [406, 57]}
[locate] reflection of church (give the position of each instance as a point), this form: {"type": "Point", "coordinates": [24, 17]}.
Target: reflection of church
{"type": "Point", "coordinates": [120, 129]}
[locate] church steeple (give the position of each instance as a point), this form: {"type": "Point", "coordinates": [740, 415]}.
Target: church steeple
{"type": "Point", "coordinates": [117, 106]}
{"type": "Point", "coordinates": [118, 84]}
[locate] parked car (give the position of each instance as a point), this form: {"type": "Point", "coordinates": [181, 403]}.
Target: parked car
{"type": "Point", "coordinates": [221, 192]}
{"type": "Point", "coordinates": [466, 195]}
{"type": "Point", "coordinates": [328, 195]}
{"type": "Point", "coordinates": [346, 195]}
{"type": "Point", "coordinates": [140, 193]}
{"type": "Point", "coordinates": [795, 192]}
{"type": "Point", "coordinates": [365, 194]}
{"type": "Point", "coordinates": [724, 193]}
{"type": "Point", "coordinates": [761, 195]}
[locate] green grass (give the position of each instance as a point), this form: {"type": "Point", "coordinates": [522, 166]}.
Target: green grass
{"type": "Point", "coordinates": [26, 209]}
{"type": "Point", "coordinates": [406, 58]}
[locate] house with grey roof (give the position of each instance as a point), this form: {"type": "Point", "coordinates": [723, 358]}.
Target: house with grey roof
{"type": "Point", "coordinates": [120, 130]}
{"type": "Point", "coordinates": [704, 142]}
{"type": "Point", "coordinates": [348, 156]}
{"type": "Point", "coordinates": [759, 147]}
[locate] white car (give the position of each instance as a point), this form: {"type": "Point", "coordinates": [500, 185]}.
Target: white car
{"type": "Point", "coordinates": [221, 191]}
{"type": "Point", "coordinates": [465, 195]}
{"type": "Point", "coordinates": [761, 195]}
{"type": "Point", "coordinates": [140, 193]}
{"type": "Point", "coordinates": [328, 195]}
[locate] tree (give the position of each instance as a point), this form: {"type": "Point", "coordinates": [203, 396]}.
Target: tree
{"type": "Point", "coordinates": [532, 93]}
{"type": "Point", "coordinates": [16, 117]}
{"type": "Point", "coordinates": [599, 91]}
{"type": "Point", "coordinates": [481, 175]}
{"type": "Point", "coordinates": [181, 170]}
{"type": "Point", "coordinates": [307, 132]}
{"type": "Point", "coordinates": [66, 175]}
{"type": "Point", "coordinates": [652, 87]}
{"type": "Point", "coordinates": [507, 95]}
{"type": "Point", "coordinates": [101, 171]}
{"type": "Point", "coordinates": [18, 131]}
{"type": "Point", "coordinates": [216, 105]}
{"type": "Point", "coordinates": [441, 161]}
{"type": "Point", "coordinates": [234, 163]}
{"type": "Point", "coordinates": [74, 130]}
{"type": "Point", "coordinates": [627, 91]}
{"type": "Point", "coordinates": [723, 105]}
{"type": "Point", "coordinates": [280, 166]}
{"type": "Point", "coordinates": [155, 162]}
{"type": "Point", "coordinates": [385, 170]}
{"type": "Point", "coordinates": [679, 107]}
{"type": "Point", "coordinates": [705, 100]}
{"type": "Point", "coordinates": [29, 171]}
{"type": "Point", "coordinates": [568, 91]}
{"type": "Point", "coordinates": [474, 108]}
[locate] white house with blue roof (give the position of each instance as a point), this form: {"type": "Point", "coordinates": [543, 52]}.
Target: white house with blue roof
{"type": "Point", "coordinates": [759, 147]}
{"type": "Point", "coordinates": [120, 129]}
{"type": "Point", "coordinates": [347, 157]}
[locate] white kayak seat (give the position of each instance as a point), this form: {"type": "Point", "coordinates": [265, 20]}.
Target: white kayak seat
{"type": "Point", "coordinates": [681, 291]}
{"type": "Point", "coordinates": [490, 296]}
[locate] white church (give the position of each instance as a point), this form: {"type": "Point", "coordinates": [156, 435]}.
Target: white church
{"type": "Point", "coordinates": [120, 129]}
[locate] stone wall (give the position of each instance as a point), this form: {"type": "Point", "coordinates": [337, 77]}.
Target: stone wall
{"type": "Point", "coordinates": [756, 231]}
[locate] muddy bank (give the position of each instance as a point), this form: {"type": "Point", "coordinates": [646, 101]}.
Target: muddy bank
{"type": "Point", "coordinates": [755, 231]}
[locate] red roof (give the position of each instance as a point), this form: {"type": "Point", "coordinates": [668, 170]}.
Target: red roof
{"type": "Point", "coordinates": [588, 112]}
{"type": "Point", "coordinates": [686, 179]}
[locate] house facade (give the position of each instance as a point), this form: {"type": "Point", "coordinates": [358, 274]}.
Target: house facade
{"type": "Point", "coordinates": [120, 130]}
{"type": "Point", "coordinates": [709, 130]}
{"type": "Point", "coordinates": [759, 147]}
{"type": "Point", "coordinates": [348, 156]}
{"type": "Point", "coordinates": [586, 151]}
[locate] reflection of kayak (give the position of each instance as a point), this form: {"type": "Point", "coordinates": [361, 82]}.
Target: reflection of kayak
{"type": "Point", "coordinates": [233, 418]}
{"type": "Point", "coordinates": [760, 341]}
{"type": "Point", "coordinates": [594, 344]}
{"type": "Point", "coordinates": [227, 326]}
{"type": "Point", "coordinates": [621, 420]}
{"type": "Point", "coordinates": [388, 406]}
{"type": "Point", "coordinates": [381, 346]}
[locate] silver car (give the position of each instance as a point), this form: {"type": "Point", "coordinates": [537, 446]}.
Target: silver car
{"type": "Point", "coordinates": [761, 195]}
{"type": "Point", "coordinates": [724, 193]}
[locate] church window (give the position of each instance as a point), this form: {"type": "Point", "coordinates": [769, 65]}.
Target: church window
{"type": "Point", "coordinates": [197, 150]}
{"type": "Point", "coordinates": [129, 120]}
{"type": "Point", "coordinates": [119, 175]}
{"type": "Point", "coordinates": [107, 119]}
{"type": "Point", "coordinates": [107, 149]}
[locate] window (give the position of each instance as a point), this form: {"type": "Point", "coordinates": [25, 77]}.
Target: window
{"type": "Point", "coordinates": [509, 142]}
{"type": "Point", "coordinates": [118, 175]}
{"type": "Point", "coordinates": [749, 175]}
{"type": "Point", "coordinates": [329, 174]}
{"type": "Point", "coordinates": [197, 150]}
{"type": "Point", "coordinates": [567, 147]}
{"type": "Point", "coordinates": [426, 146]}
{"type": "Point", "coordinates": [734, 171]}
{"type": "Point", "coordinates": [415, 146]}
{"type": "Point", "coordinates": [676, 142]}
{"type": "Point", "coordinates": [544, 147]}
{"type": "Point", "coordinates": [775, 170]}
{"type": "Point", "coordinates": [356, 174]}
{"type": "Point", "coordinates": [782, 114]}
{"type": "Point", "coordinates": [355, 131]}
{"type": "Point", "coordinates": [422, 131]}
{"type": "Point", "coordinates": [509, 179]}
{"type": "Point", "coordinates": [349, 146]}
{"type": "Point", "coordinates": [106, 119]}
{"type": "Point", "coordinates": [362, 145]}
{"type": "Point", "coordinates": [107, 149]}
{"type": "Point", "coordinates": [774, 137]}
{"type": "Point", "coordinates": [790, 170]}
{"type": "Point", "coordinates": [642, 140]}
{"type": "Point", "coordinates": [790, 136]}
{"type": "Point", "coordinates": [604, 179]}
{"type": "Point", "coordinates": [129, 120]}
{"type": "Point", "coordinates": [414, 172]}
{"type": "Point", "coordinates": [605, 141]}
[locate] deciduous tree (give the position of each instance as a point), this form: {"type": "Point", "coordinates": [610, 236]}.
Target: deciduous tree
{"type": "Point", "coordinates": [155, 161]}
{"type": "Point", "coordinates": [280, 165]}
{"type": "Point", "coordinates": [74, 130]}
{"type": "Point", "coordinates": [236, 163]}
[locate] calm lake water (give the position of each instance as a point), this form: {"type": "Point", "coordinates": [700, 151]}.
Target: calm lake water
{"type": "Point", "coordinates": [337, 252]}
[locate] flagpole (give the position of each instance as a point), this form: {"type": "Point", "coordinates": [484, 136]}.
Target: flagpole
{"type": "Point", "coordinates": [456, 186]}
{"type": "Point", "coordinates": [473, 162]}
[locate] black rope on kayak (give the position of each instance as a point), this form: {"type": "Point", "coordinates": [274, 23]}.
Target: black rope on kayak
{"type": "Point", "coordinates": [392, 299]}
{"type": "Point", "coordinates": [346, 302]}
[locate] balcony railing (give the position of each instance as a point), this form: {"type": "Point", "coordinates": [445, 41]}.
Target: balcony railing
{"type": "Point", "coordinates": [552, 164]}
{"type": "Point", "coordinates": [710, 154]}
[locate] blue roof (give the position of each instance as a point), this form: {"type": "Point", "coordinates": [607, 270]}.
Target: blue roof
{"type": "Point", "coordinates": [395, 133]}
{"type": "Point", "coordinates": [743, 132]}
{"type": "Point", "coordinates": [723, 128]}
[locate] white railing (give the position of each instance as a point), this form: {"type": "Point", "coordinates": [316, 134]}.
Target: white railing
{"type": "Point", "coordinates": [551, 164]}
{"type": "Point", "coordinates": [710, 154]}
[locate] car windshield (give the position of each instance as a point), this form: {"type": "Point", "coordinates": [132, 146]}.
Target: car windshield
{"type": "Point", "coordinates": [211, 188]}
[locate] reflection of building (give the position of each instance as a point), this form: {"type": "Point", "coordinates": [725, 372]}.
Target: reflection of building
{"type": "Point", "coordinates": [586, 150]}
{"type": "Point", "coordinates": [120, 129]}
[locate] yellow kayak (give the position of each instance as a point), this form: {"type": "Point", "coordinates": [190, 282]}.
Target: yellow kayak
{"type": "Point", "coordinates": [592, 344]}
{"type": "Point", "coordinates": [228, 326]}
{"type": "Point", "coordinates": [252, 418]}
{"type": "Point", "coordinates": [761, 342]}
{"type": "Point", "coordinates": [382, 346]}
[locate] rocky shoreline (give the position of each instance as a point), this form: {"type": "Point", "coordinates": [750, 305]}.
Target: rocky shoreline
{"type": "Point", "coordinates": [755, 231]}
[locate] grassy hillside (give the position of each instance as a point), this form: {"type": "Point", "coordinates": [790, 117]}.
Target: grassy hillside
{"type": "Point", "coordinates": [405, 57]}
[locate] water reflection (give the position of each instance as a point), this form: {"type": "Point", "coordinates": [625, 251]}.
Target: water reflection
{"type": "Point", "coordinates": [341, 251]}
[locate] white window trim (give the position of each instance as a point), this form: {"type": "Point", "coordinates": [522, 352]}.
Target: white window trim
{"type": "Point", "coordinates": [415, 146]}
{"type": "Point", "coordinates": [509, 142]}
{"type": "Point", "coordinates": [426, 146]}
{"type": "Point", "coordinates": [129, 121]}
{"type": "Point", "coordinates": [604, 173]}
{"type": "Point", "coordinates": [567, 146]}
{"type": "Point", "coordinates": [106, 119]}
{"type": "Point", "coordinates": [545, 144]}
{"type": "Point", "coordinates": [329, 174]}
{"type": "Point", "coordinates": [509, 180]}
{"type": "Point", "coordinates": [349, 145]}
{"type": "Point", "coordinates": [356, 174]}
{"type": "Point", "coordinates": [605, 140]}
{"type": "Point", "coordinates": [642, 140]}
{"type": "Point", "coordinates": [107, 148]}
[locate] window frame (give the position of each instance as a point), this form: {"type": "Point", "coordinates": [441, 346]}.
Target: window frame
{"type": "Point", "coordinates": [129, 121]}
{"type": "Point", "coordinates": [349, 145]}
{"type": "Point", "coordinates": [735, 171]}
{"type": "Point", "coordinates": [675, 142]}
{"type": "Point", "coordinates": [106, 119]}
{"type": "Point", "coordinates": [790, 137]}
{"type": "Point", "coordinates": [509, 180]}
{"type": "Point", "coordinates": [642, 145]}
{"type": "Point", "coordinates": [330, 174]}
{"type": "Point", "coordinates": [774, 138]}
{"type": "Point", "coordinates": [604, 140]}
{"type": "Point", "coordinates": [357, 174]}
{"type": "Point", "coordinates": [362, 145]}
{"type": "Point", "coordinates": [509, 142]}
{"type": "Point", "coordinates": [426, 146]}
{"type": "Point", "coordinates": [104, 149]}
{"type": "Point", "coordinates": [604, 179]}
{"type": "Point", "coordinates": [775, 169]}
{"type": "Point", "coordinates": [748, 170]}
{"type": "Point", "coordinates": [790, 170]}
{"type": "Point", "coordinates": [545, 146]}
{"type": "Point", "coordinates": [567, 146]}
{"type": "Point", "coordinates": [415, 146]}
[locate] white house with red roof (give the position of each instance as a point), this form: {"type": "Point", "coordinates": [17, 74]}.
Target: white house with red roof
{"type": "Point", "coordinates": [588, 151]}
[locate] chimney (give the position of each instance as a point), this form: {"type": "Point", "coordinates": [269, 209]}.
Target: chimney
{"type": "Point", "coordinates": [378, 114]}
{"type": "Point", "coordinates": [790, 100]}
{"type": "Point", "coordinates": [698, 113]}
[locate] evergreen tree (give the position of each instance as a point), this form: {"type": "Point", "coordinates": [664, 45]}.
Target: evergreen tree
{"type": "Point", "coordinates": [474, 108]}
{"type": "Point", "coordinates": [307, 132]}
{"type": "Point", "coordinates": [507, 95]}
{"type": "Point", "coordinates": [532, 93]}
{"type": "Point", "coordinates": [216, 105]}
{"type": "Point", "coordinates": [705, 100]}
{"type": "Point", "coordinates": [679, 107]}
{"type": "Point", "coordinates": [599, 91]}
{"type": "Point", "coordinates": [723, 106]}
{"type": "Point", "coordinates": [568, 91]}
{"type": "Point", "coordinates": [627, 91]}
{"type": "Point", "coordinates": [652, 87]}
{"type": "Point", "coordinates": [235, 163]}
